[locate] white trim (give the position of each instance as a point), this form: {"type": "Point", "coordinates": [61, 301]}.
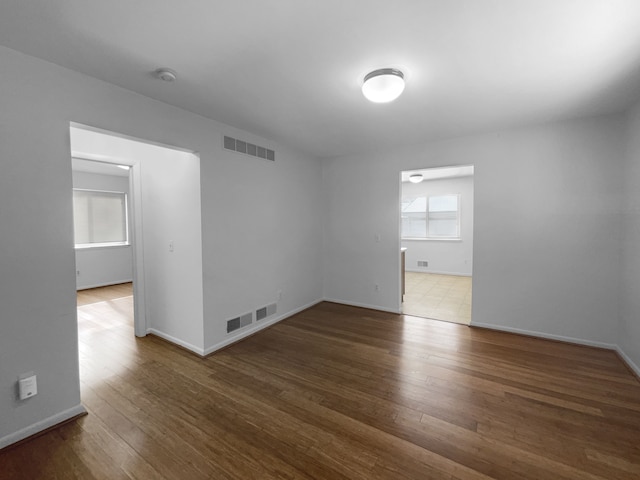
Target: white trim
{"type": "Point", "coordinates": [91, 246]}
{"type": "Point", "coordinates": [107, 284]}
{"type": "Point", "coordinates": [561, 338]}
{"type": "Point", "coordinates": [431, 239]}
{"type": "Point", "coordinates": [38, 427]}
{"type": "Point", "coordinates": [439, 272]}
{"type": "Point", "coordinates": [256, 327]}
{"type": "Point", "coordinates": [364, 305]}
{"type": "Point", "coordinates": [176, 341]}
{"type": "Point", "coordinates": [628, 360]}
{"type": "Point", "coordinates": [137, 254]}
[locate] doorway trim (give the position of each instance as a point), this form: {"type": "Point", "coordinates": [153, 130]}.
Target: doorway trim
{"type": "Point", "coordinates": [135, 195]}
{"type": "Point", "coordinates": [439, 172]}
{"type": "Point", "coordinates": [139, 296]}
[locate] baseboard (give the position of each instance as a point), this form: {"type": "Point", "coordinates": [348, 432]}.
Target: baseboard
{"type": "Point", "coordinates": [363, 305]}
{"type": "Point", "coordinates": [107, 284]}
{"type": "Point", "coordinates": [42, 425]}
{"type": "Point", "coordinates": [438, 272]}
{"type": "Point", "coordinates": [256, 327]}
{"type": "Point", "coordinates": [559, 338]}
{"type": "Point", "coordinates": [578, 341]}
{"type": "Point", "coordinates": [176, 341]}
{"type": "Point", "coordinates": [630, 363]}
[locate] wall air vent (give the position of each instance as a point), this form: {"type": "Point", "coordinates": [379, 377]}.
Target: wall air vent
{"type": "Point", "coordinates": [247, 148]}
{"type": "Point", "coordinates": [233, 324]}
{"type": "Point", "coordinates": [246, 319]}
{"type": "Point", "coordinates": [239, 322]}
{"type": "Point", "coordinates": [265, 312]}
{"type": "Point", "coordinates": [423, 263]}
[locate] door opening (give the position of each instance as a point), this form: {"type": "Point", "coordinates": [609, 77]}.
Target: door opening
{"type": "Point", "coordinates": [436, 237]}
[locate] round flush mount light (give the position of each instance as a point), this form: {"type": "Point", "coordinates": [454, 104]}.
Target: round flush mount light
{"type": "Point", "coordinates": [415, 178]}
{"type": "Point", "coordinates": [166, 74]}
{"type": "Point", "coordinates": [383, 85]}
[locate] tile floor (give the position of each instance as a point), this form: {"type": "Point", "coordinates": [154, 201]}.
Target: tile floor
{"type": "Point", "coordinates": [442, 297]}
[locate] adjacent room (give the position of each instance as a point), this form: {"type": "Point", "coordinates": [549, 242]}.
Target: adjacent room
{"type": "Point", "coordinates": [437, 243]}
{"type": "Point", "coordinates": [392, 240]}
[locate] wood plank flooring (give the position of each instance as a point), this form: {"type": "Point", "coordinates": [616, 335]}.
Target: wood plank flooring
{"type": "Point", "coordinates": [338, 392]}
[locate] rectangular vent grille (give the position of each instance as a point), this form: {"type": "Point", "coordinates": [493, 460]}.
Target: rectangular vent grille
{"type": "Point", "coordinates": [249, 148]}
{"type": "Point", "coordinates": [265, 312]}
{"type": "Point", "coordinates": [245, 319]}
{"type": "Point", "coordinates": [422, 263]}
{"type": "Point", "coordinates": [233, 324]}
{"type": "Point", "coordinates": [239, 322]}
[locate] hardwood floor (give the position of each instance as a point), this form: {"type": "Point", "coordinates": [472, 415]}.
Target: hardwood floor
{"type": "Point", "coordinates": [100, 294]}
{"type": "Point", "coordinates": [338, 392]}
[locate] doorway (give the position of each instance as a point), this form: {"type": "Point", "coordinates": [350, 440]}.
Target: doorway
{"type": "Point", "coordinates": [436, 233]}
{"type": "Point", "coordinates": [103, 243]}
{"type": "Point", "coordinates": [165, 230]}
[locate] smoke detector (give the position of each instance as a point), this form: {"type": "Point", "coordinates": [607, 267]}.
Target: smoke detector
{"type": "Point", "coordinates": [166, 74]}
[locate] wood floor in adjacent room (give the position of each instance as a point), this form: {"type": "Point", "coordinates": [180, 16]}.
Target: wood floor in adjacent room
{"type": "Point", "coordinates": [338, 392]}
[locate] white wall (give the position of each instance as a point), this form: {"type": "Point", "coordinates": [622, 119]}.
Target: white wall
{"type": "Point", "coordinates": [38, 328]}
{"type": "Point", "coordinates": [453, 257]}
{"type": "Point", "coordinates": [100, 266]}
{"type": "Point", "coordinates": [629, 327]}
{"type": "Point", "coordinates": [546, 226]}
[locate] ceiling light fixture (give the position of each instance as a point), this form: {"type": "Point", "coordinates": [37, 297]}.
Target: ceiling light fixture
{"type": "Point", "coordinates": [166, 74]}
{"type": "Point", "coordinates": [415, 178]}
{"type": "Point", "coordinates": [384, 85]}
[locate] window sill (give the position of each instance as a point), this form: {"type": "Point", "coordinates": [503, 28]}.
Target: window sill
{"type": "Point", "coordinates": [101, 245]}
{"type": "Point", "coordinates": [418, 239]}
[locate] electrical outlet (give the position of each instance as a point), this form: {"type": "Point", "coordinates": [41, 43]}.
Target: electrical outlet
{"type": "Point", "coordinates": [279, 294]}
{"type": "Point", "coordinates": [27, 386]}
{"type": "Point", "coordinates": [376, 287]}
{"type": "Point", "coordinates": [77, 273]}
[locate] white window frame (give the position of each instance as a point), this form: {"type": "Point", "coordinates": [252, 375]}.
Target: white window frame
{"type": "Point", "coordinates": [124, 243]}
{"type": "Point", "coordinates": [429, 237]}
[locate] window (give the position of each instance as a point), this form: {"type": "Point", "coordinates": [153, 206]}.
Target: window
{"type": "Point", "coordinates": [100, 218]}
{"type": "Point", "coordinates": [431, 217]}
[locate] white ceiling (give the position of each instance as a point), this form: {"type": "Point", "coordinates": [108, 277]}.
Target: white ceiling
{"type": "Point", "coordinates": [291, 70]}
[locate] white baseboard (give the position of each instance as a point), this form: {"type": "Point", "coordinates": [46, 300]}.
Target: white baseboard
{"type": "Point", "coordinates": [628, 360]}
{"type": "Point", "coordinates": [561, 338]}
{"type": "Point", "coordinates": [107, 284]}
{"type": "Point", "coordinates": [438, 272]}
{"type": "Point", "coordinates": [363, 305]}
{"type": "Point", "coordinates": [38, 427]}
{"type": "Point", "coordinates": [177, 341]}
{"type": "Point", "coordinates": [256, 327]}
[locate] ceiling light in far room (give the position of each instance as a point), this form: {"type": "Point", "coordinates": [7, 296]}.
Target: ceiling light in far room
{"type": "Point", "coordinates": [384, 85]}
{"type": "Point", "coordinates": [166, 74]}
{"type": "Point", "coordinates": [415, 178]}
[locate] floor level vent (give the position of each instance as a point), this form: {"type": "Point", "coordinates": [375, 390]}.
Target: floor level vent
{"type": "Point", "coordinates": [423, 263]}
{"type": "Point", "coordinates": [233, 324]}
{"type": "Point", "coordinates": [246, 319]}
{"type": "Point", "coordinates": [239, 322]}
{"type": "Point", "coordinates": [265, 312]}
{"type": "Point", "coordinates": [247, 148]}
